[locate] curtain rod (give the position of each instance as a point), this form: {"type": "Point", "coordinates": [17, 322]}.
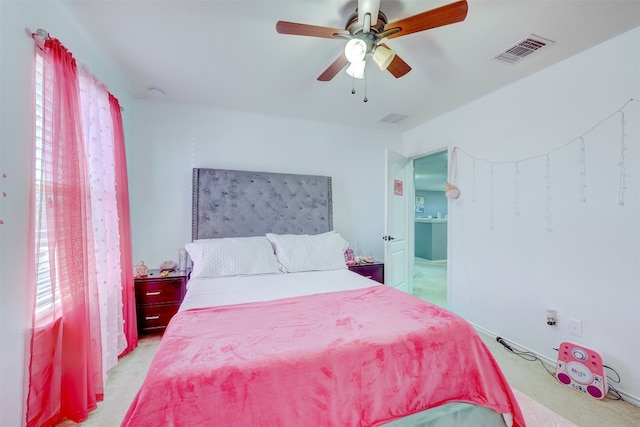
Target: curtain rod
{"type": "Point", "coordinates": [44, 35]}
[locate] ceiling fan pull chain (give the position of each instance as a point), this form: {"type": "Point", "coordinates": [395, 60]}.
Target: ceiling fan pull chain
{"type": "Point", "coordinates": [365, 89]}
{"type": "Point", "coordinates": [353, 85]}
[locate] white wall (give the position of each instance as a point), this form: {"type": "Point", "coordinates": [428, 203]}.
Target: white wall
{"type": "Point", "coordinates": [170, 140]}
{"type": "Point", "coordinates": [15, 153]}
{"type": "Point", "coordinates": [506, 268]}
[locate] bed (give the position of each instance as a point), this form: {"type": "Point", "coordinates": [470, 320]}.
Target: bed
{"type": "Point", "coordinates": [274, 330]}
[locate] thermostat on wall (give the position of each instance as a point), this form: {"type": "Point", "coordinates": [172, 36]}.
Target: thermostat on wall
{"type": "Point", "coordinates": [581, 368]}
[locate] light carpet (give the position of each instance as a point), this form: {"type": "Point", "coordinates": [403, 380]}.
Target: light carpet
{"type": "Point", "coordinates": [430, 281]}
{"type": "Point", "coordinates": [537, 415]}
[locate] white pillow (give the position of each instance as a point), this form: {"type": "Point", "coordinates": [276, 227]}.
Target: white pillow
{"type": "Point", "coordinates": [304, 252]}
{"type": "Point", "coordinates": [232, 256]}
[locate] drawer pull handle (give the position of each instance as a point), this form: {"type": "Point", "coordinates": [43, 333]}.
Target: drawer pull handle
{"type": "Point", "coordinates": [153, 293]}
{"type": "Point", "coordinates": [152, 318]}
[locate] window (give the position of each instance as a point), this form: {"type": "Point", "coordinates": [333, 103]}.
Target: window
{"type": "Point", "coordinates": [45, 294]}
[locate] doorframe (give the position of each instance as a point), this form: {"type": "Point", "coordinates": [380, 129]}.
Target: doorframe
{"type": "Point", "coordinates": [411, 222]}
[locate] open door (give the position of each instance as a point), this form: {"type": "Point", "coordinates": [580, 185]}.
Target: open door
{"type": "Point", "coordinates": [398, 194]}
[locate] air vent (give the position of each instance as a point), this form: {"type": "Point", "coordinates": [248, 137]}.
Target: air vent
{"type": "Point", "coordinates": [393, 118]}
{"type": "Point", "coordinates": [523, 48]}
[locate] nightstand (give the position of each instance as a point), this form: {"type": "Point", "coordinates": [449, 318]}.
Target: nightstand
{"type": "Point", "coordinates": [374, 270]}
{"type": "Point", "coordinates": [158, 299]}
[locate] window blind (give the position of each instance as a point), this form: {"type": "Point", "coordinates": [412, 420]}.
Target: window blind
{"type": "Point", "coordinates": [46, 295]}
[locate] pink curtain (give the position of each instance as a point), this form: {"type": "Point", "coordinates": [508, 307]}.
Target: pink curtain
{"type": "Point", "coordinates": [83, 199]}
{"type": "Point", "coordinates": [65, 376]}
{"type": "Point", "coordinates": [98, 135]}
{"type": "Point", "coordinates": [126, 254]}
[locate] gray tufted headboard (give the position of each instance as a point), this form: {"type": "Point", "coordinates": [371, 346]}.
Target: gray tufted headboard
{"type": "Point", "coordinates": [228, 203]}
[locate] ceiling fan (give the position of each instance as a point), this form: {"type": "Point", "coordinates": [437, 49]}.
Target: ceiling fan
{"type": "Point", "coordinates": [365, 30]}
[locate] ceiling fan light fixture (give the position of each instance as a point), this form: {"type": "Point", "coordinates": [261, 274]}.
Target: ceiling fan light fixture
{"type": "Point", "coordinates": [356, 69]}
{"type": "Point", "coordinates": [383, 57]}
{"type": "Point", "coordinates": [355, 50]}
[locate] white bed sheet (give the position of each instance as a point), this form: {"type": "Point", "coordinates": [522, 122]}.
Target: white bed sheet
{"type": "Point", "coordinates": [217, 291]}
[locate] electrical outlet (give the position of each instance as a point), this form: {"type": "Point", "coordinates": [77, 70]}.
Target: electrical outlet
{"type": "Point", "coordinates": [575, 327]}
{"type": "Point", "coordinates": [552, 317]}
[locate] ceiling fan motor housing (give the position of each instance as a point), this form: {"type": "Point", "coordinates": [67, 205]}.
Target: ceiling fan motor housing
{"type": "Point", "coordinates": [354, 28]}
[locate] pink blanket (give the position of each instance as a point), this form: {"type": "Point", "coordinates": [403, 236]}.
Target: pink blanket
{"type": "Point", "coordinates": [351, 358]}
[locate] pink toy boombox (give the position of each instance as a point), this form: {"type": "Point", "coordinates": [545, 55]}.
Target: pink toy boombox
{"type": "Point", "coordinates": [581, 369]}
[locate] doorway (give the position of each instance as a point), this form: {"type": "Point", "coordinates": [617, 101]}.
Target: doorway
{"type": "Point", "coordinates": [430, 228]}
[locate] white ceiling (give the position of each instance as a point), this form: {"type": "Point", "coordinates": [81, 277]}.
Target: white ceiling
{"type": "Point", "coordinates": [227, 54]}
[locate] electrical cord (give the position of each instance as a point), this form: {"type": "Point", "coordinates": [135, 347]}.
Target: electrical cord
{"type": "Point", "coordinates": [611, 389]}
{"type": "Point", "coordinates": [532, 357]}
{"type": "Point", "coordinates": [526, 355]}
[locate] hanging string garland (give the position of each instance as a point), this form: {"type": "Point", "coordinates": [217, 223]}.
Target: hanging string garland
{"type": "Point", "coordinates": [623, 175]}
{"type": "Point", "coordinates": [583, 171]}
{"type": "Point", "coordinates": [547, 166]}
{"type": "Point", "coordinates": [492, 198]}
{"type": "Point", "coordinates": [622, 186]}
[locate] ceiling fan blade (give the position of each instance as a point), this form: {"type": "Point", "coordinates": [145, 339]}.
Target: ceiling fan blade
{"type": "Point", "coordinates": [294, 28]}
{"type": "Point", "coordinates": [445, 15]}
{"type": "Point", "coordinates": [397, 67]}
{"type": "Point", "coordinates": [333, 69]}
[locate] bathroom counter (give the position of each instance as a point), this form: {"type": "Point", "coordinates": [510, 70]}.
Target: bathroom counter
{"type": "Point", "coordinates": [431, 220]}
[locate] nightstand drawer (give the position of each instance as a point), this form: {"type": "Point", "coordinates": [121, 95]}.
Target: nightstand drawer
{"type": "Point", "coordinates": [372, 271]}
{"type": "Point", "coordinates": [159, 292]}
{"type": "Point", "coordinates": [155, 317]}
